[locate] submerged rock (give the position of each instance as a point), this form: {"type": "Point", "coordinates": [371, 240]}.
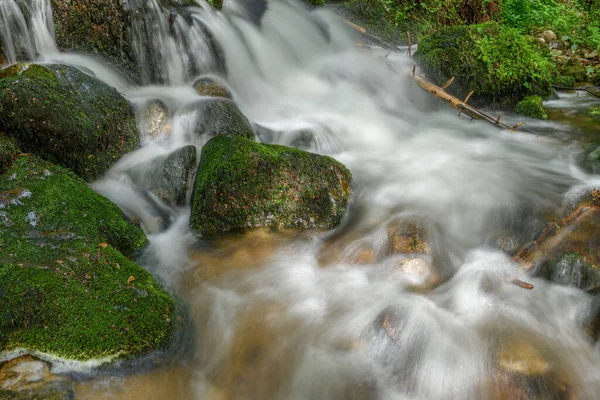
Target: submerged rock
{"type": "Point", "coordinates": [67, 117]}
{"type": "Point", "coordinates": [28, 378]}
{"type": "Point", "coordinates": [219, 117]}
{"type": "Point", "coordinates": [406, 237]}
{"type": "Point", "coordinates": [67, 286]}
{"type": "Point", "coordinates": [168, 177]}
{"type": "Point", "coordinates": [243, 184]}
{"type": "Point", "coordinates": [499, 64]}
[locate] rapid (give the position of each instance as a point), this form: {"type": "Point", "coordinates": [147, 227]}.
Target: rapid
{"type": "Point", "coordinates": [294, 315]}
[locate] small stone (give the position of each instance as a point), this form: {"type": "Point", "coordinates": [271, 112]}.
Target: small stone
{"type": "Point", "coordinates": [406, 237]}
{"type": "Point", "coordinates": [541, 40]}
{"type": "Point", "coordinates": [522, 358]}
{"type": "Point", "coordinates": [549, 36]}
{"type": "Point", "coordinates": [555, 45]}
{"type": "Point", "coordinates": [591, 55]}
{"type": "Point", "coordinates": [415, 266]}
{"type": "Point", "coordinates": [210, 88]}
{"type": "Point", "coordinates": [155, 118]}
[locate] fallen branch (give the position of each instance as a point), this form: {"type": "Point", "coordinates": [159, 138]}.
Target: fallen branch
{"type": "Point", "coordinates": [576, 89]}
{"type": "Point", "coordinates": [375, 39]}
{"type": "Point", "coordinates": [456, 103]}
{"type": "Point", "coordinates": [553, 235]}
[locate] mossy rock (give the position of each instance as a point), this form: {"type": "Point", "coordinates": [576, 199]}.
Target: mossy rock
{"type": "Point", "coordinates": [210, 88]}
{"type": "Point", "coordinates": [67, 117]}
{"type": "Point", "coordinates": [8, 152]}
{"type": "Point", "coordinates": [243, 184]}
{"type": "Point", "coordinates": [67, 286]}
{"type": "Point", "coordinates": [499, 64]}
{"type": "Point", "coordinates": [98, 27]}
{"type": "Point", "coordinates": [218, 117]}
{"type": "Point", "coordinates": [531, 106]}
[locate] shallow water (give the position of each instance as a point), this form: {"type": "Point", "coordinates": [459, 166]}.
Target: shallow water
{"type": "Point", "coordinates": [331, 315]}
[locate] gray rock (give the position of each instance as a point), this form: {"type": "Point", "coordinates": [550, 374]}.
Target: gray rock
{"type": "Point", "coordinates": [155, 117]}
{"type": "Point", "coordinates": [210, 88]}
{"type": "Point", "coordinates": [548, 36]}
{"type": "Point", "coordinates": [219, 117]}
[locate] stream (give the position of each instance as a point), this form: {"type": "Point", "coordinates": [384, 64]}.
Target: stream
{"type": "Point", "coordinates": [337, 315]}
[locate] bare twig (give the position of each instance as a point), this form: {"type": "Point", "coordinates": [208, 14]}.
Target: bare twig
{"type": "Point", "coordinates": [576, 89]}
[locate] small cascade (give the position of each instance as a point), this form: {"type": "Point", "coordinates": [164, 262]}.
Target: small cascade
{"type": "Point", "coordinates": [26, 29]}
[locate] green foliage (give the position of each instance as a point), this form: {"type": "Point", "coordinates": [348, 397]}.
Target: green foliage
{"type": "Point", "coordinates": [500, 65]}
{"type": "Point", "coordinates": [375, 17]}
{"type": "Point", "coordinates": [531, 106]}
{"type": "Point", "coordinates": [243, 184]}
{"type": "Point", "coordinates": [64, 278]}
{"type": "Point", "coordinates": [577, 22]}
{"type": "Point", "coordinates": [315, 2]}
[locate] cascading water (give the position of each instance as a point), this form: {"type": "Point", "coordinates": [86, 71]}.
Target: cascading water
{"type": "Point", "coordinates": [289, 328]}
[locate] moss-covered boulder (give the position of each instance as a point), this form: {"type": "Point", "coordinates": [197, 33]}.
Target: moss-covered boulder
{"type": "Point", "coordinates": [499, 64]}
{"type": "Point", "coordinates": [8, 152]}
{"type": "Point", "coordinates": [67, 117]}
{"type": "Point", "coordinates": [99, 27]}
{"type": "Point", "coordinates": [531, 106]}
{"type": "Point", "coordinates": [67, 286]}
{"type": "Point", "coordinates": [218, 117]}
{"type": "Point", "coordinates": [243, 184]}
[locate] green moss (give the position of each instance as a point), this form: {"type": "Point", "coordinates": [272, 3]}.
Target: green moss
{"type": "Point", "coordinates": [8, 152]}
{"type": "Point", "coordinates": [315, 2]}
{"type": "Point", "coordinates": [65, 284]}
{"type": "Point", "coordinates": [531, 106]}
{"type": "Point", "coordinates": [500, 65]}
{"type": "Point", "coordinates": [243, 184]}
{"type": "Point", "coordinates": [67, 117]}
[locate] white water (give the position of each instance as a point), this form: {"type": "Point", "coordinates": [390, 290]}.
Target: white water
{"type": "Point", "coordinates": [291, 329]}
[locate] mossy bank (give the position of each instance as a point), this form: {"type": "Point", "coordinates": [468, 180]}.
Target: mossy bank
{"type": "Point", "coordinates": [68, 287]}
{"type": "Point", "coordinates": [499, 64]}
{"type": "Point", "coordinates": [242, 184]}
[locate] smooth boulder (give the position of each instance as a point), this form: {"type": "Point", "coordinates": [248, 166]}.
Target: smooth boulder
{"type": "Point", "coordinates": [243, 184]}
{"type": "Point", "coordinates": [67, 117]}
{"type": "Point", "coordinates": [219, 116]}
{"type": "Point", "coordinates": [68, 287]}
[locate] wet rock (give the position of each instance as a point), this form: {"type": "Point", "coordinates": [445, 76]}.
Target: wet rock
{"type": "Point", "coordinates": [8, 152]}
{"type": "Point", "coordinates": [62, 115]}
{"type": "Point", "coordinates": [168, 177]}
{"type": "Point", "coordinates": [65, 275]}
{"type": "Point", "coordinates": [219, 117]}
{"type": "Point", "coordinates": [406, 237]}
{"type": "Point", "coordinates": [242, 184]}
{"type": "Point", "coordinates": [155, 118]}
{"type": "Point", "coordinates": [521, 358]}
{"type": "Point", "coordinates": [29, 378]}
{"type": "Point", "coordinates": [503, 69]}
{"type": "Point", "coordinates": [303, 139]}
{"type": "Point", "coordinates": [548, 36]}
{"type": "Point", "coordinates": [210, 88]}
{"type": "Point", "coordinates": [360, 253]}
{"type": "Point", "coordinates": [99, 27]}
{"type": "Point", "coordinates": [575, 260]}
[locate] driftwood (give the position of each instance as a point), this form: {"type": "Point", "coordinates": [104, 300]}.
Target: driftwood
{"type": "Point", "coordinates": [576, 89]}
{"type": "Point", "coordinates": [555, 233]}
{"type": "Point", "coordinates": [460, 105]}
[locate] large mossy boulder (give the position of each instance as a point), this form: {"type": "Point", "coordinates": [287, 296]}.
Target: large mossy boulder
{"type": "Point", "coordinates": [67, 117]}
{"type": "Point", "coordinates": [8, 152]}
{"type": "Point", "coordinates": [243, 184]}
{"type": "Point", "coordinates": [67, 285]}
{"type": "Point", "coordinates": [499, 64]}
